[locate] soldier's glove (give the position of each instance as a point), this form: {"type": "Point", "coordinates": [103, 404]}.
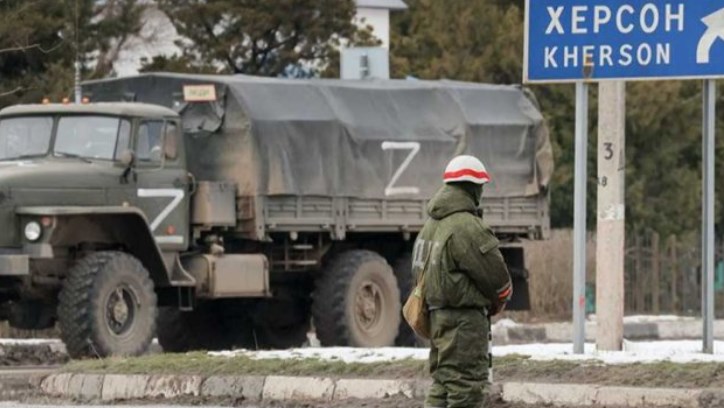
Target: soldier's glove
{"type": "Point", "coordinates": [497, 309]}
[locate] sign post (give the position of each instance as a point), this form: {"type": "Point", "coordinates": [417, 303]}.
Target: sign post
{"type": "Point", "coordinates": [707, 218]}
{"type": "Point", "coordinates": [601, 40]}
{"type": "Point", "coordinates": [579, 218]}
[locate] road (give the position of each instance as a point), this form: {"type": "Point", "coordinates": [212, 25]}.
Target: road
{"type": "Point", "coordinates": [390, 403]}
{"type": "Point", "coordinates": [356, 404]}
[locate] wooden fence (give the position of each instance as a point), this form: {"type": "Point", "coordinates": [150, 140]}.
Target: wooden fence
{"type": "Point", "coordinates": [662, 276]}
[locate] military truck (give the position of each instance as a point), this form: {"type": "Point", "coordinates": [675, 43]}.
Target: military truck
{"type": "Point", "coordinates": [235, 211]}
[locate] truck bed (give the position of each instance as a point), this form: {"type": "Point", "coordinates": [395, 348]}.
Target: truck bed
{"type": "Point", "coordinates": [259, 216]}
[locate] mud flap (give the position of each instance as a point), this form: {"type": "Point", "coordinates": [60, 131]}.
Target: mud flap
{"type": "Point", "coordinates": [515, 259]}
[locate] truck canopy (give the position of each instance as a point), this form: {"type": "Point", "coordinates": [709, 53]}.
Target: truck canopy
{"type": "Point", "coordinates": [382, 139]}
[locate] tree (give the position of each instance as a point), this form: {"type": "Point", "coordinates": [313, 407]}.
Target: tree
{"type": "Point", "coordinates": [269, 38]}
{"type": "Point", "coordinates": [40, 39]}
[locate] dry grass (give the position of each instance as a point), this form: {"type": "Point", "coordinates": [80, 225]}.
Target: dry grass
{"type": "Point", "coordinates": [200, 363]}
{"type": "Point", "coordinates": [550, 263]}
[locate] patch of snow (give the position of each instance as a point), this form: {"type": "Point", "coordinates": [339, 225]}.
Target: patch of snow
{"type": "Point", "coordinates": [505, 323]}
{"type": "Point", "coordinates": [634, 352]}
{"type": "Point", "coordinates": [656, 319]}
{"type": "Point", "coordinates": [650, 318]}
{"type": "Point", "coordinates": [28, 342]}
{"type": "Point", "coordinates": [345, 354]}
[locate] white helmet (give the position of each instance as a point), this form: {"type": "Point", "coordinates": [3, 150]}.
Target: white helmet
{"type": "Point", "coordinates": [466, 168]}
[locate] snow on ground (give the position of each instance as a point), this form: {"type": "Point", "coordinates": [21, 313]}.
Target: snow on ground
{"type": "Point", "coordinates": [680, 351]}
{"type": "Point", "coordinates": [656, 319]}
{"type": "Point", "coordinates": [634, 352]}
{"type": "Point", "coordinates": [345, 354]}
{"type": "Point", "coordinates": [28, 342]}
{"type": "Point", "coordinates": [505, 323]}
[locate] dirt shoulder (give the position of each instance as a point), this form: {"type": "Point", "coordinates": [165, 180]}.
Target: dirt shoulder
{"type": "Point", "coordinates": [507, 369]}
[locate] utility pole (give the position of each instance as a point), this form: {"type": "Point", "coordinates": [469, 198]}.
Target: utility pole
{"type": "Point", "coordinates": [611, 212]}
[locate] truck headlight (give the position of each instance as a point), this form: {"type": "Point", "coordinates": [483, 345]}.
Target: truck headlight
{"type": "Point", "coordinates": [33, 231]}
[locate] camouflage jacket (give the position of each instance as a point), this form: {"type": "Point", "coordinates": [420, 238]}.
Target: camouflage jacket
{"type": "Point", "coordinates": [464, 267]}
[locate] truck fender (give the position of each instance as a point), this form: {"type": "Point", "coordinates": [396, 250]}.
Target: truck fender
{"type": "Point", "coordinates": [112, 225]}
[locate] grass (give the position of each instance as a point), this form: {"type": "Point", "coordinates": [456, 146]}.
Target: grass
{"type": "Point", "coordinates": [203, 364]}
{"type": "Point", "coordinates": [661, 374]}
{"type": "Point", "coordinates": [509, 368]}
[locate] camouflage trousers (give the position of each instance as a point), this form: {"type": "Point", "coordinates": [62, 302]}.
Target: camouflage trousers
{"type": "Point", "coordinates": [458, 358]}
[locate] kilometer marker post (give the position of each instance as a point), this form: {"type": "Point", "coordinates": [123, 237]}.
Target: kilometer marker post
{"type": "Point", "coordinates": [611, 212]}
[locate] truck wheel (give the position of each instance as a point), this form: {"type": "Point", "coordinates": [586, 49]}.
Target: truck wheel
{"type": "Point", "coordinates": [403, 272]}
{"type": "Point", "coordinates": [357, 301]}
{"type": "Point", "coordinates": [107, 307]}
{"type": "Point", "coordinates": [179, 332]}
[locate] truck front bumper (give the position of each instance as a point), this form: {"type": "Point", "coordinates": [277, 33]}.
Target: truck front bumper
{"type": "Point", "coordinates": [14, 265]}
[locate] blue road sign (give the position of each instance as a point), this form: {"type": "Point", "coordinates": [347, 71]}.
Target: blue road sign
{"type": "Point", "coordinates": [571, 40]}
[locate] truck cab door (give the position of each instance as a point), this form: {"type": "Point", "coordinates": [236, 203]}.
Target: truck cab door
{"type": "Point", "coordinates": [162, 191]}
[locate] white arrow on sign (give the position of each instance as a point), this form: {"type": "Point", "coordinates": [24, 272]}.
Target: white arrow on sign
{"type": "Point", "coordinates": [715, 24]}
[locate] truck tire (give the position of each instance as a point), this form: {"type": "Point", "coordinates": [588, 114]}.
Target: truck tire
{"type": "Point", "coordinates": [403, 272]}
{"type": "Point", "coordinates": [107, 307]}
{"type": "Point", "coordinates": [356, 301]}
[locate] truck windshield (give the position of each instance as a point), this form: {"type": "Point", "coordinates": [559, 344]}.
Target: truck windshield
{"type": "Point", "coordinates": [93, 137]}
{"type": "Point", "coordinates": [24, 137]}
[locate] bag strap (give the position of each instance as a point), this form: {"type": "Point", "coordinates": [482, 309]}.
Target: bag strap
{"type": "Point", "coordinates": [420, 279]}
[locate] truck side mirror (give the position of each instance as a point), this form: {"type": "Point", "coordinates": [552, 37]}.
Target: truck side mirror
{"type": "Point", "coordinates": [127, 158]}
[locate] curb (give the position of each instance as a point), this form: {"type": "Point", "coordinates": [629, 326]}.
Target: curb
{"type": "Point", "coordinates": [112, 387]}
{"type": "Point", "coordinates": [589, 394]}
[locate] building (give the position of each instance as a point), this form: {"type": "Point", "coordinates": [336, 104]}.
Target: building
{"type": "Point", "coordinates": [376, 13]}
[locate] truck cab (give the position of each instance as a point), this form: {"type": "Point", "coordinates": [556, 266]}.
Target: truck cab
{"type": "Point", "coordinates": [94, 206]}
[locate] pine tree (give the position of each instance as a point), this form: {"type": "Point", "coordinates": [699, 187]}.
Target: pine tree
{"type": "Point", "coordinates": [40, 39]}
{"type": "Point", "coordinates": [268, 38]}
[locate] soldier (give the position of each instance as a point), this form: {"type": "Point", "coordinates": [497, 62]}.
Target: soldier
{"type": "Point", "coordinates": [466, 281]}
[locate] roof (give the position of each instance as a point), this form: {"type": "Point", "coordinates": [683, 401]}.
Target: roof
{"type": "Point", "coordinates": [113, 108]}
{"type": "Point", "coordinates": [384, 4]}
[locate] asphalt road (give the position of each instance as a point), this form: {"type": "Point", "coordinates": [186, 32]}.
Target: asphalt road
{"type": "Point", "coordinates": [391, 403]}
{"type": "Point", "coordinates": [21, 405]}
{"type": "Point", "coordinates": [18, 405]}
{"type": "Point", "coordinates": [360, 404]}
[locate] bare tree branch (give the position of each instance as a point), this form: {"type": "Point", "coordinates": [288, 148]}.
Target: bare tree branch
{"type": "Point", "coordinates": [30, 47]}
{"type": "Point", "coordinates": [14, 91]}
